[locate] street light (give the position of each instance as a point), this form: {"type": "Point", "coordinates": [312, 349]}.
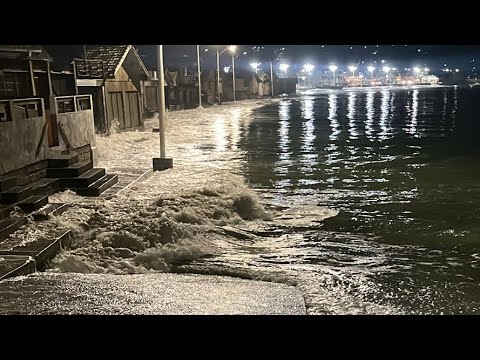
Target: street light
{"type": "Point", "coordinates": [284, 68]}
{"type": "Point", "coordinates": [308, 69]}
{"type": "Point", "coordinates": [426, 70]}
{"type": "Point", "coordinates": [218, 69]}
{"type": "Point", "coordinates": [352, 69]}
{"type": "Point", "coordinates": [371, 69]}
{"type": "Point", "coordinates": [232, 50]}
{"type": "Point", "coordinates": [255, 66]}
{"type": "Point", "coordinates": [386, 70]}
{"type": "Point", "coordinates": [417, 70]}
{"type": "Point", "coordinates": [333, 68]}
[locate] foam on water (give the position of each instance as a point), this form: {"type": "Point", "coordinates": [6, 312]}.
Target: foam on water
{"type": "Point", "coordinates": [201, 216]}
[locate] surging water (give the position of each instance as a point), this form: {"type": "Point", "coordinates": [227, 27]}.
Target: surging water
{"type": "Point", "coordinates": [366, 200]}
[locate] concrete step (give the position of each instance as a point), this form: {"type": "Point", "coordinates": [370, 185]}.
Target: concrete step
{"type": "Point", "coordinates": [16, 265]}
{"type": "Point", "coordinates": [99, 186]}
{"type": "Point", "coordinates": [16, 194]}
{"type": "Point", "coordinates": [10, 225]}
{"type": "Point", "coordinates": [71, 171]}
{"type": "Point", "coordinates": [5, 211]}
{"type": "Point", "coordinates": [83, 180]}
{"type": "Point", "coordinates": [63, 162]}
{"type": "Point", "coordinates": [33, 203]}
{"type": "Point", "coordinates": [7, 183]}
{"type": "Point", "coordinates": [49, 209]}
{"type": "Point", "coordinates": [45, 186]}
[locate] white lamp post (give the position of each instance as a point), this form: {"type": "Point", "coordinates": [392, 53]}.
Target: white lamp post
{"type": "Point", "coordinates": [333, 68]}
{"type": "Point", "coordinates": [308, 69]}
{"type": "Point", "coordinates": [386, 70]}
{"type": "Point", "coordinates": [284, 67]}
{"type": "Point", "coordinates": [161, 163]}
{"type": "Point", "coordinates": [352, 69]}
{"type": "Point", "coordinates": [371, 69]}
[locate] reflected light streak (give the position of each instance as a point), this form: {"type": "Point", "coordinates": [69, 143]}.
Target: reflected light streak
{"type": "Point", "coordinates": [220, 134]}
{"type": "Point", "coordinates": [309, 153]}
{"type": "Point", "coordinates": [332, 116]}
{"type": "Point", "coordinates": [352, 97]}
{"type": "Point", "coordinates": [384, 112]}
{"type": "Point", "coordinates": [370, 115]}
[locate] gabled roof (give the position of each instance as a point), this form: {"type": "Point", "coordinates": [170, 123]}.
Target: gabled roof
{"type": "Point", "coordinates": [113, 57]}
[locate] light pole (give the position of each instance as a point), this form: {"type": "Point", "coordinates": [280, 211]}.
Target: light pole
{"type": "Point", "coordinates": [352, 69]}
{"type": "Point", "coordinates": [218, 72]}
{"type": "Point", "coordinates": [333, 68]}
{"type": "Point", "coordinates": [255, 66]}
{"type": "Point", "coordinates": [386, 70]}
{"type": "Point", "coordinates": [284, 68]}
{"type": "Point", "coordinates": [309, 68]}
{"type": "Point", "coordinates": [161, 163]}
{"type": "Point", "coordinates": [232, 49]}
{"type": "Point", "coordinates": [199, 79]}
{"type": "Point", "coordinates": [271, 77]}
{"type": "Point", "coordinates": [417, 70]}
{"type": "Point", "coordinates": [371, 69]}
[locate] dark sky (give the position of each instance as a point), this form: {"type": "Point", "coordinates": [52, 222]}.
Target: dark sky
{"type": "Point", "coordinates": [432, 55]}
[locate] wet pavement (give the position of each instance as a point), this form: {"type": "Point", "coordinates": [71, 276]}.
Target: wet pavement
{"type": "Point", "coordinates": [146, 294]}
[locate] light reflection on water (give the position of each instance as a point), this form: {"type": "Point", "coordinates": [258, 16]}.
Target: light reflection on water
{"type": "Point", "coordinates": [405, 188]}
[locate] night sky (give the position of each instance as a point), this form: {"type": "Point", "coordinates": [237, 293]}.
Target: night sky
{"type": "Point", "coordinates": [434, 56]}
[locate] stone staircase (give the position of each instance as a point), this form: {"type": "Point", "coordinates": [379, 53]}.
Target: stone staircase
{"type": "Point", "coordinates": [61, 174]}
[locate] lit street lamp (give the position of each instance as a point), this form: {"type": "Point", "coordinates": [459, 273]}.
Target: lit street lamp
{"type": "Point", "coordinates": [386, 70]}
{"type": "Point", "coordinates": [371, 69]}
{"type": "Point", "coordinates": [417, 70]}
{"type": "Point", "coordinates": [232, 50]}
{"type": "Point", "coordinates": [284, 68]}
{"type": "Point", "coordinates": [218, 72]}
{"type": "Point", "coordinates": [308, 69]}
{"type": "Point", "coordinates": [333, 68]}
{"type": "Point", "coordinates": [352, 69]}
{"type": "Point", "coordinates": [255, 66]}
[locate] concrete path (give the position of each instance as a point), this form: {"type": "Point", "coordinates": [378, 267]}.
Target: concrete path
{"type": "Point", "coordinates": [150, 294]}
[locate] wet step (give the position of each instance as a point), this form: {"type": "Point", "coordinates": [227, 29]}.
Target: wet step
{"type": "Point", "coordinates": [42, 249]}
{"type": "Point", "coordinates": [11, 224]}
{"type": "Point", "coordinates": [16, 194]}
{"type": "Point", "coordinates": [63, 162]}
{"type": "Point", "coordinates": [32, 203]}
{"type": "Point", "coordinates": [16, 265]}
{"type": "Point", "coordinates": [5, 211]}
{"type": "Point", "coordinates": [45, 186]}
{"type": "Point", "coordinates": [49, 209]}
{"type": "Point", "coordinates": [7, 183]}
{"type": "Point", "coordinates": [70, 171]}
{"type": "Point", "coordinates": [99, 186]}
{"type": "Point", "coordinates": [83, 180]}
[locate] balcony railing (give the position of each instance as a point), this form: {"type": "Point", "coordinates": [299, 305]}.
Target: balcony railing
{"type": "Point", "coordinates": [19, 109]}
{"type": "Point", "coordinates": [89, 69]}
{"type": "Point", "coordinates": [66, 104]}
